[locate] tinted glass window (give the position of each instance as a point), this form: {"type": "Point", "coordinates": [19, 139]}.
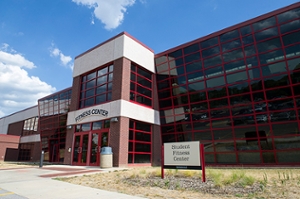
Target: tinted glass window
{"type": "Point", "coordinates": [192, 57]}
{"type": "Point", "coordinates": [214, 71]}
{"type": "Point", "coordinates": [193, 66]}
{"type": "Point", "coordinates": [252, 61]}
{"type": "Point", "coordinates": [236, 77]}
{"type": "Point", "coordinates": [175, 54]}
{"type": "Point", "coordinates": [254, 73]}
{"type": "Point", "coordinates": [245, 30]}
{"type": "Point", "coordinates": [160, 60]}
{"type": "Point", "coordinates": [210, 42]}
{"type": "Point", "coordinates": [248, 40]}
{"type": "Point", "coordinates": [250, 50]}
{"type": "Point", "coordinates": [191, 49]}
{"type": "Point", "coordinates": [229, 36]}
{"type": "Point", "coordinates": [264, 24]}
{"type": "Point", "coordinates": [269, 45]}
{"type": "Point", "coordinates": [231, 45]}
{"type": "Point", "coordinates": [271, 32]}
{"type": "Point", "coordinates": [289, 15]}
{"type": "Point", "coordinates": [196, 86]}
{"type": "Point", "coordinates": [213, 61]}
{"type": "Point", "coordinates": [291, 38]}
{"type": "Point", "coordinates": [211, 51]}
{"type": "Point", "coordinates": [215, 82]}
{"type": "Point", "coordinates": [292, 51]}
{"type": "Point", "coordinates": [294, 25]}
{"type": "Point", "coordinates": [234, 66]}
{"type": "Point", "coordinates": [196, 76]}
{"type": "Point", "coordinates": [232, 55]}
{"type": "Point", "coordinates": [271, 57]}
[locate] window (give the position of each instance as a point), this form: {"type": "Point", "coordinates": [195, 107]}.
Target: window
{"type": "Point", "coordinates": [96, 87]}
{"type": "Point", "coordinates": [139, 145]}
{"type": "Point", "coordinates": [141, 85]}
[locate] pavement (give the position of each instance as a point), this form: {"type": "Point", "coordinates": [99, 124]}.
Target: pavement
{"type": "Point", "coordinates": [37, 182]}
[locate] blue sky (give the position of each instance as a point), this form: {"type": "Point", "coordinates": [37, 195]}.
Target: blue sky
{"type": "Point", "coordinates": [39, 39]}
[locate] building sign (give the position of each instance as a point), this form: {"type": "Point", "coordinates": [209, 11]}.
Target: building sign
{"type": "Point", "coordinates": [91, 112]}
{"type": "Point", "coordinates": [182, 154]}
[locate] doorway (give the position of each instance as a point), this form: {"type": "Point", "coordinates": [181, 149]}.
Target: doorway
{"type": "Point", "coordinates": [87, 147]}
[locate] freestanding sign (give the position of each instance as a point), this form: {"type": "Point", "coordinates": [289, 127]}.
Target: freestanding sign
{"type": "Point", "coordinates": [183, 155]}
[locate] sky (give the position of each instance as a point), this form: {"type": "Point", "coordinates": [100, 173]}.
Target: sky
{"type": "Point", "coordinates": [39, 39]}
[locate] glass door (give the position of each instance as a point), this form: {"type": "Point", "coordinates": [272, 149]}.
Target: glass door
{"type": "Point", "coordinates": [80, 149]}
{"type": "Point", "coordinates": [98, 140]}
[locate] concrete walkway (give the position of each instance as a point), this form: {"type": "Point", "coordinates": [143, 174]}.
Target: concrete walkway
{"type": "Point", "coordinates": [37, 183]}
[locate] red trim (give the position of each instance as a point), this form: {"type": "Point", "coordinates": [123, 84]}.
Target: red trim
{"type": "Point", "coordinates": [202, 158]}
{"type": "Point", "coordinates": [162, 162]}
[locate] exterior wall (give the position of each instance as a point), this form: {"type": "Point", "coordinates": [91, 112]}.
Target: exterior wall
{"type": "Point", "coordinates": [17, 117]}
{"type": "Point", "coordinates": [120, 46]}
{"type": "Point", "coordinates": [236, 91]}
{"type": "Point", "coordinates": [8, 141]}
{"type": "Point", "coordinates": [15, 128]}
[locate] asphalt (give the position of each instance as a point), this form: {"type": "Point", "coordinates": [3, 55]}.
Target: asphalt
{"type": "Point", "coordinates": [36, 183]}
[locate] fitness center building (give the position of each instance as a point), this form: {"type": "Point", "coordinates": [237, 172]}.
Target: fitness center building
{"type": "Point", "coordinates": [237, 91]}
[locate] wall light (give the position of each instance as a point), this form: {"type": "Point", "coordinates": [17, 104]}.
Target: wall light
{"type": "Point", "coordinates": [114, 119]}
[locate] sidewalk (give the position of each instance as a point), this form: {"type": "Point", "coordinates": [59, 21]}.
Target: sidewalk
{"type": "Point", "coordinates": [37, 183]}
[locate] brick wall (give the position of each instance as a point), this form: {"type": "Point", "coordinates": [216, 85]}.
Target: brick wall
{"type": "Point", "coordinates": [15, 128]}
{"type": "Point", "coordinates": [8, 141]}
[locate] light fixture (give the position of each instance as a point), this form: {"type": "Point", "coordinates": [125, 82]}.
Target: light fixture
{"type": "Point", "coordinates": [114, 119]}
{"type": "Point", "coordinates": [69, 126]}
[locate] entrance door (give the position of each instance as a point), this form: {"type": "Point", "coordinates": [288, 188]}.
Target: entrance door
{"type": "Point", "coordinates": [98, 140]}
{"type": "Point", "coordinates": [80, 149]}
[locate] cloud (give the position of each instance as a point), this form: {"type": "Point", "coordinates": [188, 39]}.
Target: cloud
{"type": "Point", "coordinates": [109, 12]}
{"type": "Point", "coordinates": [18, 89]}
{"type": "Point", "coordinates": [65, 60]}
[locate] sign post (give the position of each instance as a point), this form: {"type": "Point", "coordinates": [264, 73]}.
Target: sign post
{"type": "Point", "coordinates": [183, 155]}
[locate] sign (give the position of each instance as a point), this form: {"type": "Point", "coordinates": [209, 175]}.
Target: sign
{"type": "Point", "coordinates": [182, 153]}
{"type": "Point", "coordinates": [91, 112]}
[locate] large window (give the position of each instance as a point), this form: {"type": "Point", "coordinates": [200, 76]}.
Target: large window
{"type": "Point", "coordinates": [140, 85]}
{"type": "Point", "coordinates": [96, 87]}
{"type": "Point", "coordinates": [139, 146]}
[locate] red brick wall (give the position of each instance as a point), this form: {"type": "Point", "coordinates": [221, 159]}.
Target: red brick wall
{"type": "Point", "coordinates": [118, 140]}
{"type": "Point", "coordinates": [121, 80]}
{"type": "Point", "coordinates": [8, 141]}
{"type": "Point", "coordinates": [156, 146]}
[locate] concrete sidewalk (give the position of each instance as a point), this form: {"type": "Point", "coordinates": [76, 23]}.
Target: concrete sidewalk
{"type": "Point", "coordinates": [37, 183]}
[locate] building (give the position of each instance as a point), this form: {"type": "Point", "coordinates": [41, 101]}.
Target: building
{"type": "Point", "coordinates": [237, 91]}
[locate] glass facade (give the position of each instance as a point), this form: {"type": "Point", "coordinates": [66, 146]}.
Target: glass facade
{"type": "Point", "coordinates": [53, 111]}
{"type": "Point", "coordinates": [236, 92]}
{"type": "Point", "coordinates": [96, 87]}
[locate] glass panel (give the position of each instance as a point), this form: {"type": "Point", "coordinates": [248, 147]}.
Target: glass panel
{"type": "Point", "coordinates": [229, 35]}
{"type": "Point", "coordinates": [283, 129]}
{"type": "Point", "coordinates": [289, 15]}
{"type": "Point", "coordinates": [196, 76]}
{"type": "Point", "coordinates": [234, 66]}
{"type": "Point", "coordinates": [193, 67]}
{"type": "Point", "coordinates": [294, 64]}
{"type": "Point", "coordinates": [254, 73]}
{"type": "Point", "coordinates": [160, 60]}
{"type": "Point", "coordinates": [231, 45]}
{"type": "Point", "coordinates": [76, 149]}
{"type": "Point", "coordinates": [213, 61]}
{"type": "Point", "coordinates": [292, 51]}
{"type": "Point", "coordinates": [250, 50]}
{"type": "Point", "coordinates": [91, 84]}
{"type": "Point", "coordinates": [245, 30]}
{"type": "Point", "coordinates": [97, 125]}
{"type": "Point", "coordinates": [294, 25]}
{"type": "Point", "coordinates": [248, 40]}
{"type": "Point", "coordinates": [192, 57]}
{"type": "Point", "coordinates": [91, 76]}
{"type": "Point", "coordinates": [238, 88]}
{"type": "Point", "coordinates": [217, 93]}
{"type": "Point", "coordinates": [84, 154]}
{"type": "Point", "coordinates": [175, 54]}
{"type": "Point", "coordinates": [276, 81]}
{"type": "Point", "coordinates": [269, 45]}
{"type": "Point", "coordinates": [102, 71]}
{"type": "Point", "coordinates": [94, 148]}
{"type": "Point", "coordinates": [236, 77]}
{"type": "Point", "coordinates": [271, 32]}
{"type": "Point", "coordinates": [191, 48]}
{"type": "Point", "coordinates": [271, 69]}
{"type": "Point", "coordinates": [209, 42]}
{"type": "Point", "coordinates": [232, 55]}
{"type": "Point", "coordinates": [198, 86]}
{"type": "Point", "coordinates": [249, 158]}
{"type": "Point", "coordinates": [271, 57]}
{"type": "Point", "coordinates": [291, 38]}
{"type": "Point", "coordinates": [215, 82]}
{"type": "Point", "coordinates": [104, 139]}
{"type": "Point", "coordinates": [86, 127]}
{"type": "Point", "coordinates": [264, 24]}
{"type": "Point", "coordinates": [211, 51]}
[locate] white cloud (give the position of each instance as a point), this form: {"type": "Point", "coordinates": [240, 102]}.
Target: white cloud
{"type": "Point", "coordinates": [18, 89]}
{"type": "Point", "coordinates": [109, 12]}
{"type": "Point", "coordinates": [65, 60]}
